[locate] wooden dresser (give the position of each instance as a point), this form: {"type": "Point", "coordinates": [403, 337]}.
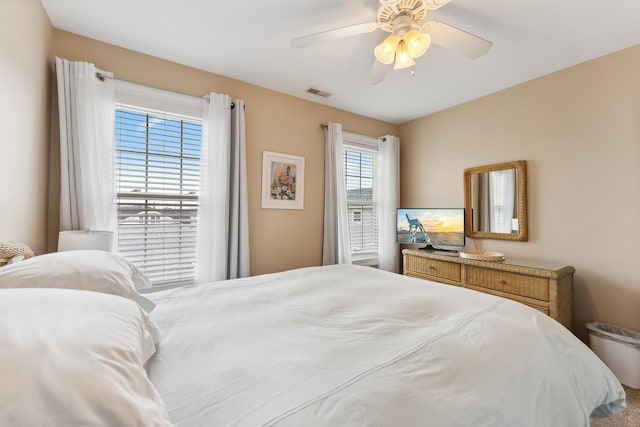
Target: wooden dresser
{"type": "Point", "coordinates": [545, 287]}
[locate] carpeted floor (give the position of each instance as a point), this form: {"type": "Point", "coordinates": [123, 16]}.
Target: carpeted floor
{"type": "Point", "coordinates": [630, 417]}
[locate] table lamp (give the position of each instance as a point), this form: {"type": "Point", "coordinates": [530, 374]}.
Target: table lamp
{"type": "Point", "coordinates": [85, 239]}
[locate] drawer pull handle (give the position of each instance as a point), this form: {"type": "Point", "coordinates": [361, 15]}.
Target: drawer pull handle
{"type": "Point", "coordinates": [502, 282]}
{"type": "Point", "coordinates": [431, 267]}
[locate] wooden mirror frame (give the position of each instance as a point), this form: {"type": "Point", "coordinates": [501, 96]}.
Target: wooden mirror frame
{"type": "Point", "coordinates": [521, 169]}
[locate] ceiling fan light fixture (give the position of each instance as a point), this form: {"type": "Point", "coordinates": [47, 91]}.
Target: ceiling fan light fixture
{"type": "Point", "coordinates": [385, 51]}
{"type": "Point", "coordinates": [403, 58]}
{"type": "Point", "coordinates": [417, 43]}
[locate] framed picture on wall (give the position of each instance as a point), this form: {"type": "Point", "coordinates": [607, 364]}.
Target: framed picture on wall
{"type": "Point", "coordinates": [282, 181]}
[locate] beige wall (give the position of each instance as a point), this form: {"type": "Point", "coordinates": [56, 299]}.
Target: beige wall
{"type": "Point", "coordinates": [579, 131]}
{"type": "Point", "coordinates": [279, 239]}
{"type": "Point", "coordinates": [25, 38]}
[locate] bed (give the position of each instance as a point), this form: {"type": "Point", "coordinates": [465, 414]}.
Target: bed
{"type": "Point", "coordinates": [320, 346]}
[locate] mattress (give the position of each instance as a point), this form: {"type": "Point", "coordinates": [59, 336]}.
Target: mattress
{"type": "Point", "coordinates": [355, 346]}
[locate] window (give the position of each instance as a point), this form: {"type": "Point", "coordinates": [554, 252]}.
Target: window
{"type": "Point", "coordinates": [359, 167]}
{"type": "Point", "coordinates": [158, 168]}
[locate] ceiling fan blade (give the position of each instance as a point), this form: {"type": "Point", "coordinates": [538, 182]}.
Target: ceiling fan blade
{"type": "Point", "coordinates": [456, 39]}
{"type": "Point", "coordinates": [338, 33]}
{"type": "Point", "coordinates": [377, 72]}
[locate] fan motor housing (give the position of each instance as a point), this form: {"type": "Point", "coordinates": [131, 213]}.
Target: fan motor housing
{"type": "Point", "coordinates": [402, 15]}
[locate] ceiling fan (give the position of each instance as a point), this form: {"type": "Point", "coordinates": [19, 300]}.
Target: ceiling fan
{"type": "Point", "coordinates": [410, 35]}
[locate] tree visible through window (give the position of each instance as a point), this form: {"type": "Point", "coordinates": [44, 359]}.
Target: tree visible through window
{"type": "Point", "coordinates": [158, 169]}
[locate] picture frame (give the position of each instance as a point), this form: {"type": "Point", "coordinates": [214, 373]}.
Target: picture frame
{"type": "Point", "coordinates": [282, 181]}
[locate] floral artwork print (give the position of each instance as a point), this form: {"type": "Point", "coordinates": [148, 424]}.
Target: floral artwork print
{"type": "Point", "coordinates": [283, 181]}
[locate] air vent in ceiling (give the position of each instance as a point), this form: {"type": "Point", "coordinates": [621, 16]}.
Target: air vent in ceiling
{"type": "Point", "coordinates": [318, 92]}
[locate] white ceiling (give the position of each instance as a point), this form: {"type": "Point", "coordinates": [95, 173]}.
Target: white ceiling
{"type": "Point", "coordinates": [250, 40]}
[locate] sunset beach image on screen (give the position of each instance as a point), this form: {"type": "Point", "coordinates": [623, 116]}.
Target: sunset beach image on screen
{"type": "Point", "coordinates": [439, 227]}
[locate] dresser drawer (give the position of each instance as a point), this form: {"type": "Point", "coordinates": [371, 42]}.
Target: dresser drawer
{"type": "Point", "coordinates": [544, 310]}
{"type": "Point", "coordinates": [431, 267]}
{"type": "Point", "coordinates": [513, 283]}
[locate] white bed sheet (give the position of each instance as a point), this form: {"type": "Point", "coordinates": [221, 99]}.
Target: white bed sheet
{"type": "Point", "coordinates": [354, 346]}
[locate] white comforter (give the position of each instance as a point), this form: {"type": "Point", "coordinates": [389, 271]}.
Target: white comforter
{"type": "Point", "coordinates": [354, 346]}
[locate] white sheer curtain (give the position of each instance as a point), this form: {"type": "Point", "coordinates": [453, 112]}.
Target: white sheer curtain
{"type": "Point", "coordinates": [502, 200]}
{"type": "Point", "coordinates": [388, 201]}
{"type": "Point", "coordinates": [336, 248]}
{"type": "Point", "coordinates": [223, 229]}
{"type": "Point", "coordinates": [87, 155]}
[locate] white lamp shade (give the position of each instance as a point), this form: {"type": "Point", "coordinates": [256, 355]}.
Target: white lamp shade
{"type": "Point", "coordinates": [417, 43]}
{"type": "Point", "coordinates": [386, 50]}
{"type": "Point", "coordinates": [83, 240]}
{"type": "Point", "coordinates": [403, 59]}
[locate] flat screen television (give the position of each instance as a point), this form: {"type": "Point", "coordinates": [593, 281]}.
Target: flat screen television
{"type": "Point", "coordinates": [440, 228]}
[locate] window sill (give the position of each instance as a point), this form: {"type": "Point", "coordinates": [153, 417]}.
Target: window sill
{"type": "Point", "coordinates": [165, 286]}
{"type": "Point", "coordinates": [365, 261]}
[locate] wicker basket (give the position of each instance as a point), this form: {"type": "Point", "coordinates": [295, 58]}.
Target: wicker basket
{"type": "Point", "coordinates": [482, 255]}
{"type": "Point", "coordinates": [9, 250]}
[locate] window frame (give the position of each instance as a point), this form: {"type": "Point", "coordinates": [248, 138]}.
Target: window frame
{"type": "Point", "coordinates": [364, 144]}
{"type": "Point", "coordinates": [170, 105]}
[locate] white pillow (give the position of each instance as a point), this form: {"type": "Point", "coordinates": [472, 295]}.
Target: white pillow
{"type": "Point", "coordinates": [97, 271]}
{"type": "Point", "coordinates": [75, 358]}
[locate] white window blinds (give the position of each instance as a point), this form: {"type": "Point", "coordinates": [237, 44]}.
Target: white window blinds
{"type": "Point", "coordinates": [359, 167]}
{"type": "Point", "coordinates": [158, 169]}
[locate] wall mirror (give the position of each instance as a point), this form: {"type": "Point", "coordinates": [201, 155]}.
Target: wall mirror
{"type": "Point", "coordinates": [495, 201]}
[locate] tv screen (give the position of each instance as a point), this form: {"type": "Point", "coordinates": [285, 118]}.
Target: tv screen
{"type": "Point", "coordinates": [441, 228]}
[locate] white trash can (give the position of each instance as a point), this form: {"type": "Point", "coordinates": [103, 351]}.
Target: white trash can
{"type": "Point", "coordinates": [619, 349]}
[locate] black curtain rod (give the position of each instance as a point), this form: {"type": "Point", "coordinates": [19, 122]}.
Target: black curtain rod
{"type": "Point", "coordinates": [325, 127]}
{"type": "Point", "coordinates": [101, 77]}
